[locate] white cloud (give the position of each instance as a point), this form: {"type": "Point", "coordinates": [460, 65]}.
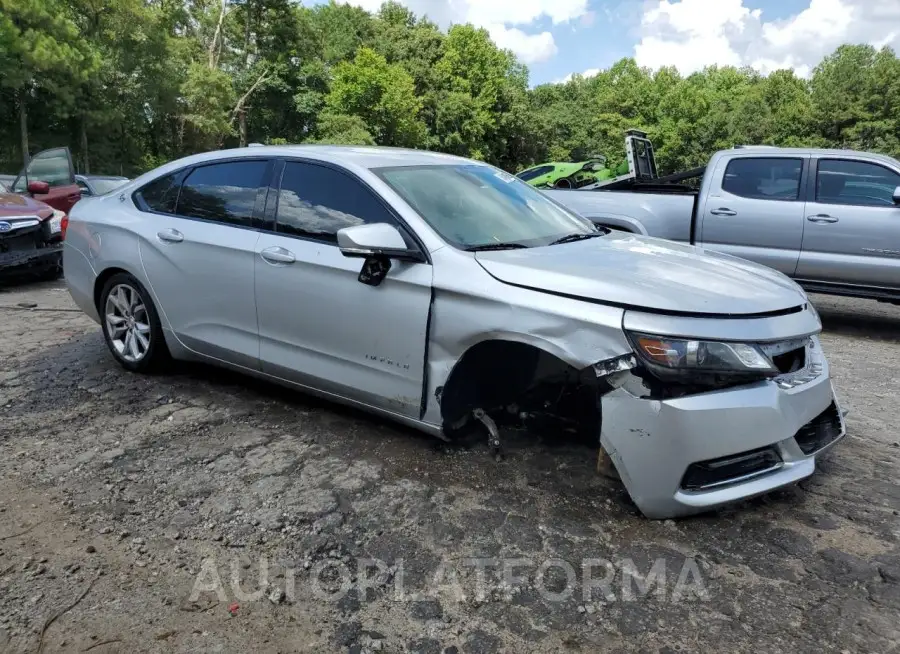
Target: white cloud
{"type": "Point", "coordinates": [691, 34]}
{"type": "Point", "coordinates": [590, 72]}
{"type": "Point", "coordinates": [502, 18]}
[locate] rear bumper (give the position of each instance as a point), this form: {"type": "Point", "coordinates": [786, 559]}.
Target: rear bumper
{"type": "Point", "coordinates": [80, 279]}
{"type": "Point", "coordinates": [695, 453]}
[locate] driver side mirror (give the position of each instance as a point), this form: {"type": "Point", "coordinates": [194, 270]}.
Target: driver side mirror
{"type": "Point", "coordinates": [375, 240]}
{"type": "Point", "coordinates": [38, 188]}
{"type": "Point", "coordinates": [896, 195]}
{"type": "Point", "coordinates": [377, 243]}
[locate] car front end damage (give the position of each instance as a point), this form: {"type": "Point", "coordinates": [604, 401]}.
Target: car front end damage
{"type": "Point", "coordinates": [692, 421]}
{"type": "Point", "coordinates": [31, 243]}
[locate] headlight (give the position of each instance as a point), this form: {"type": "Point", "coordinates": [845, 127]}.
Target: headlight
{"type": "Point", "coordinates": [56, 222]}
{"type": "Point", "coordinates": [673, 357]}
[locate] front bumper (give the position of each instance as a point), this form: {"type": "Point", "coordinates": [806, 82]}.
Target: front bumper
{"type": "Point", "coordinates": [658, 446]}
{"type": "Point", "coordinates": [16, 261]}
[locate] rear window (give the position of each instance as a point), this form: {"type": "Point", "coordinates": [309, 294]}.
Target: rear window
{"type": "Point", "coordinates": [224, 192]}
{"type": "Point", "coordinates": [160, 194]}
{"type": "Point", "coordinates": [763, 178]}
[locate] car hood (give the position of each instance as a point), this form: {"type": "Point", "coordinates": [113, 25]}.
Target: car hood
{"type": "Point", "coordinates": [639, 272]}
{"type": "Point", "coordinates": [15, 204]}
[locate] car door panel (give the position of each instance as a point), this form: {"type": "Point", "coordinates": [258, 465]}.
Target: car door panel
{"type": "Point", "coordinates": [845, 241]}
{"type": "Point", "coordinates": [200, 266]}
{"type": "Point", "coordinates": [53, 166]}
{"type": "Point", "coordinates": [754, 210]}
{"type": "Point", "coordinates": [321, 327]}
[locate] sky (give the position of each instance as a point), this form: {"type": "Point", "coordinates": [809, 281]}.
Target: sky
{"type": "Point", "coordinates": [557, 38]}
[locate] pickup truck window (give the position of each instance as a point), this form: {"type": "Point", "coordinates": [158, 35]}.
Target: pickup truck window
{"type": "Point", "coordinates": [763, 178]}
{"type": "Point", "coordinates": [841, 181]}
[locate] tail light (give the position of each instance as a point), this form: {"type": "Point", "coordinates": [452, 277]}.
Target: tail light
{"type": "Point", "coordinates": [63, 226]}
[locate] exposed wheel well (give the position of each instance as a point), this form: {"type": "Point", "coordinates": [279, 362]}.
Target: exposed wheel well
{"type": "Point", "coordinates": [101, 282]}
{"type": "Point", "coordinates": [517, 382]}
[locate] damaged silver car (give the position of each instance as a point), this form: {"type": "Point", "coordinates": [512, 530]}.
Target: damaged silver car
{"type": "Point", "coordinates": [450, 296]}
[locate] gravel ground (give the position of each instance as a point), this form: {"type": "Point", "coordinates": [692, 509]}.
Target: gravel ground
{"type": "Point", "coordinates": [203, 511]}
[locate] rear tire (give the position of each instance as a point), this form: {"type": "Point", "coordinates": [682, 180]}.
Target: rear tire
{"type": "Point", "coordinates": [131, 325]}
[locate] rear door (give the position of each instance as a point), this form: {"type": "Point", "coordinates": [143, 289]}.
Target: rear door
{"type": "Point", "coordinates": [754, 209]}
{"type": "Point", "coordinates": [852, 233]}
{"type": "Point", "coordinates": [197, 249]}
{"type": "Point", "coordinates": [55, 167]}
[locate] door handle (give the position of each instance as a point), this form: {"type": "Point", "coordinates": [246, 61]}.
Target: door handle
{"type": "Point", "coordinates": [278, 255]}
{"type": "Point", "coordinates": [170, 236]}
{"type": "Point", "coordinates": [722, 211]}
{"type": "Point", "coordinates": [822, 218]}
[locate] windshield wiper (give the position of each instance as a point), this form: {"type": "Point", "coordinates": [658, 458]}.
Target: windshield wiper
{"type": "Point", "coordinates": [581, 236]}
{"type": "Point", "coordinates": [495, 246]}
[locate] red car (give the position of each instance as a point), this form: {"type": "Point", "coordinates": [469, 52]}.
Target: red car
{"type": "Point", "coordinates": [50, 178]}
{"type": "Point", "coordinates": [34, 215]}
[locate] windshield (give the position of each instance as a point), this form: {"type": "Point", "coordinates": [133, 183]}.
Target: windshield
{"type": "Point", "coordinates": [102, 186]}
{"type": "Point", "coordinates": [473, 205]}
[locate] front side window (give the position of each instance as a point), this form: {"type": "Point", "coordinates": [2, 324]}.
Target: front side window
{"type": "Point", "coordinates": [224, 192]}
{"type": "Point", "coordinates": [473, 205]}
{"type": "Point", "coordinates": [316, 201]}
{"type": "Point", "coordinates": [527, 175]}
{"type": "Point", "coordinates": [763, 178]}
{"type": "Point", "coordinates": [841, 181]}
{"type": "Point", "coordinates": [160, 194]}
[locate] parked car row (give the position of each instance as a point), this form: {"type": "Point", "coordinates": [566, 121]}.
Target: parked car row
{"type": "Point", "coordinates": [451, 296]}
{"type": "Point", "coordinates": [34, 207]}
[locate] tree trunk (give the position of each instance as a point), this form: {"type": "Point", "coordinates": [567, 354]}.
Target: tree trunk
{"type": "Point", "coordinates": [242, 125]}
{"type": "Point", "coordinates": [23, 128]}
{"type": "Point", "coordinates": [84, 146]}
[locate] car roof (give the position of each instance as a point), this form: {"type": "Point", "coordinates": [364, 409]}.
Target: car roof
{"type": "Point", "coordinates": [816, 152]}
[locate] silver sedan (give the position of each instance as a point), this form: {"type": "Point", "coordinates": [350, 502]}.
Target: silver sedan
{"type": "Point", "coordinates": [450, 296]}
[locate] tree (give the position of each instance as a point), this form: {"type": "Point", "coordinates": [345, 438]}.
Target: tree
{"type": "Point", "coordinates": [40, 45]}
{"type": "Point", "coordinates": [382, 95]}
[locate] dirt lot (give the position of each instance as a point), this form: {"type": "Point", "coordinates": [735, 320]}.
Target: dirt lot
{"type": "Point", "coordinates": [201, 511]}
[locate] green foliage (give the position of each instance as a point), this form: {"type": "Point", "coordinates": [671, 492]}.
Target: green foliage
{"type": "Point", "coordinates": [381, 95]}
{"type": "Point", "coordinates": [130, 84]}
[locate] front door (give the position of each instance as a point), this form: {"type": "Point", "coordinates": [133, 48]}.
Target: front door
{"type": "Point", "coordinates": [754, 210]}
{"type": "Point", "coordinates": [319, 326]}
{"type": "Point", "coordinates": [198, 255]}
{"type": "Point", "coordinates": [54, 167]}
{"type": "Point", "coordinates": [852, 234]}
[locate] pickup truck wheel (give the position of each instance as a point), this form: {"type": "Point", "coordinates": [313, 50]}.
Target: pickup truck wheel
{"type": "Point", "coordinates": [131, 325]}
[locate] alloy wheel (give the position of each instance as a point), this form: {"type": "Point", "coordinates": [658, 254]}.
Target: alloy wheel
{"type": "Point", "coordinates": [127, 322]}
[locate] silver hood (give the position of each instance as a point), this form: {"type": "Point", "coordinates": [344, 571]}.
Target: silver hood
{"type": "Point", "coordinates": [647, 273]}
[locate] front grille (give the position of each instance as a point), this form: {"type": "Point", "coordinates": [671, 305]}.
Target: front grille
{"type": "Point", "coordinates": [20, 242]}
{"type": "Point", "coordinates": [820, 431]}
{"type": "Point", "coordinates": [727, 470]}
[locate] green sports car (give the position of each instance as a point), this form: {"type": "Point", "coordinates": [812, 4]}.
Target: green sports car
{"type": "Point", "coordinates": [558, 174]}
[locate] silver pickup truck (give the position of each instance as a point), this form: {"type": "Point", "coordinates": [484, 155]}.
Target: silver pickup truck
{"type": "Point", "coordinates": [830, 219]}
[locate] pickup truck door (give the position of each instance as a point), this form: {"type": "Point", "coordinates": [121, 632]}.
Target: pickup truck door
{"type": "Point", "coordinates": [55, 167]}
{"type": "Point", "coordinates": [753, 209]}
{"type": "Point", "coordinates": [852, 232]}
{"type": "Point", "coordinates": [319, 326]}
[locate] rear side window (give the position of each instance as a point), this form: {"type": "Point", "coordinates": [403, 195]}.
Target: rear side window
{"type": "Point", "coordinates": [763, 178]}
{"type": "Point", "coordinates": [223, 193]}
{"type": "Point", "coordinates": [160, 194]}
{"type": "Point", "coordinates": [855, 182]}
{"type": "Point", "coordinates": [316, 201]}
